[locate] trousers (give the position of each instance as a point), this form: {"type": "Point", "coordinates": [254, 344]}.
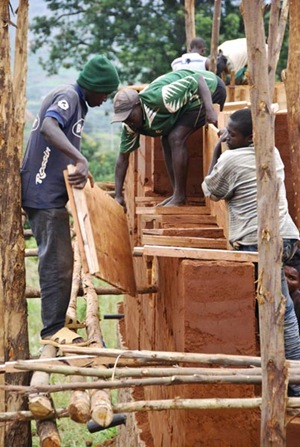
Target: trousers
{"type": "Point", "coordinates": [51, 230]}
{"type": "Point", "coordinates": [291, 327]}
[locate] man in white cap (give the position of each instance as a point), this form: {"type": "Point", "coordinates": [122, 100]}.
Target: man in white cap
{"type": "Point", "coordinates": [172, 107]}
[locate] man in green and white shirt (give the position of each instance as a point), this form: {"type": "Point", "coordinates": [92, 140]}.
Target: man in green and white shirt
{"type": "Point", "coordinates": [172, 107]}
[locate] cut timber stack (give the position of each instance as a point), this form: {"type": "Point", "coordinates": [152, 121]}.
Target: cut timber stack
{"type": "Point", "coordinates": [188, 226]}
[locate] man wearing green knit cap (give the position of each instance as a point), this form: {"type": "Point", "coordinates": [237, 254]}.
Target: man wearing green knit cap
{"type": "Point", "coordinates": [54, 143]}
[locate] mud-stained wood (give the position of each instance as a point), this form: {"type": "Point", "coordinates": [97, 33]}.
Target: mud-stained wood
{"type": "Point", "coordinates": [104, 236]}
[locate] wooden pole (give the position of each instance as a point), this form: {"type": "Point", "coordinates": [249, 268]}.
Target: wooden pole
{"type": "Point", "coordinates": [292, 85]}
{"type": "Point", "coordinates": [189, 8]}
{"type": "Point", "coordinates": [270, 300]}
{"type": "Point", "coordinates": [13, 337]}
{"type": "Point", "coordinates": [215, 36]}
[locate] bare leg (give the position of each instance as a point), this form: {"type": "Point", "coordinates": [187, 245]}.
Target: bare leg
{"type": "Point", "coordinates": [180, 160]}
{"type": "Point", "coordinates": [168, 162]}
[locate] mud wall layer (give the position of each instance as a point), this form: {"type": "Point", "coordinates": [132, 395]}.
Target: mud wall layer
{"type": "Point", "coordinates": [206, 307]}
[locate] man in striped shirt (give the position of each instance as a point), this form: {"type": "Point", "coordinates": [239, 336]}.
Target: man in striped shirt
{"type": "Point", "coordinates": [232, 177]}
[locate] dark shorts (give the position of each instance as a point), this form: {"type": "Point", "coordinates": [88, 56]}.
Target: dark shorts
{"type": "Point", "coordinates": [196, 118]}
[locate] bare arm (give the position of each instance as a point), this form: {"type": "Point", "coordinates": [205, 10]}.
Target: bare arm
{"type": "Point", "coordinates": [211, 114]}
{"type": "Point", "coordinates": [55, 136]}
{"type": "Point", "coordinates": [217, 151]}
{"type": "Point", "coordinates": [120, 174]}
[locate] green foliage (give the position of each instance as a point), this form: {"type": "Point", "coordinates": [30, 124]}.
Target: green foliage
{"type": "Point", "coordinates": [101, 163]}
{"type": "Point", "coordinates": [142, 37]}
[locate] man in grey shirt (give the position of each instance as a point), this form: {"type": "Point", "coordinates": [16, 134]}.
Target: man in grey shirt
{"type": "Point", "coordinates": [232, 177]}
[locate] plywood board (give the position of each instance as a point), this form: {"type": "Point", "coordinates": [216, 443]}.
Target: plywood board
{"type": "Point", "coordinates": [104, 235]}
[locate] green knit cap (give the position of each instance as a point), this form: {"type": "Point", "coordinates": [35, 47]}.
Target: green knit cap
{"type": "Point", "coordinates": [99, 76]}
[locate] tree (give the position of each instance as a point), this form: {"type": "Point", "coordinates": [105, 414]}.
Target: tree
{"type": "Point", "coordinates": [141, 36]}
{"type": "Point", "coordinates": [269, 296]}
{"type": "Point", "coordinates": [13, 327]}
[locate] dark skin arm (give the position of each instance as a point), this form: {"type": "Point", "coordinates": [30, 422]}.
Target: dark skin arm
{"type": "Point", "coordinates": [217, 151]}
{"type": "Point", "coordinates": [211, 114]}
{"type": "Point", "coordinates": [55, 136]}
{"type": "Point", "coordinates": [120, 174]}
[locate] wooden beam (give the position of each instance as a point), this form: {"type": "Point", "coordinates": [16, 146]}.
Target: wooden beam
{"type": "Point", "coordinates": [173, 210]}
{"type": "Point", "coordinates": [196, 253]}
{"type": "Point", "coordinates": [181, 241]}
{"type": "Point", "coordinates": [207, 232]}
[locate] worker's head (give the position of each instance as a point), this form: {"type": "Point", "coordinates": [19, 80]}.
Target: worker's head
{"type": "Point", "coordinates": [98, 79]}
{"type": "Point", "coordinates": [292, 278]}
{"type": "Point", "coordinates": [239, 129]}
{"type": "Point", "coordinates": [198, 46]}
{"type": "Point", "coordinates": [127, 108]}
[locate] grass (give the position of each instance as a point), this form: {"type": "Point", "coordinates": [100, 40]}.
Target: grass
{"type": "Point", "coordinates": [72, 434]}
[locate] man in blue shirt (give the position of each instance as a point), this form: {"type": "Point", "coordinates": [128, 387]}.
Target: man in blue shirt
{"type": "Point", "coordinates": [53, 144]}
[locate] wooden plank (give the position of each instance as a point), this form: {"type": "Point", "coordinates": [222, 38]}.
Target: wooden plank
{"type": "Point", "coordinates": [236, 105]}
{"type": "Point", "coordinates": [196, 253]}
{"type": "Point", "coordinates": [190, 232]}
{"type": "Point", "coordinates": [179, 220]}
{"type": "Point", "coordinates": [178, 241]}
{"type": "Point", "coordinates": [148, 200]}
{"type": "Point", "coordinates": [104, 232]}
{"type": "Point", "coordinates": [173, 210]}
{"type": "Point", "coordinates": [76, 223]}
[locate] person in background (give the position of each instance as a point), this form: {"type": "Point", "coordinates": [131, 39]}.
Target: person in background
{"type": "Point", "coordinates": [54, 143]}
{"type": "Point", "coordinates": [235, 54]}
{"type": "Point", "coordinates": [193, 60]}
{"type": "Point", "coordinates": [232, 177]}
{"type": "Point", "coordinates": [292, 274]}
{"type": "Point", "coordinates": [172, 107]}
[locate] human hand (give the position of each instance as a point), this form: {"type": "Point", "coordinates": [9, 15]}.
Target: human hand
{"type": "Point", "coordinates": [79, 177]}
{"type": "Point", "coordinates": [222, 134]}
{"type": "Point", "coordinates": [91, 179]}
{"type": "Point", "coordinates": [121, 201]}
{"type": "Point", "coordinates": [212, 116]}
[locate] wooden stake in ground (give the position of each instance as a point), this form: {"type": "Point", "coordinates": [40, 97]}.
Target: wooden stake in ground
{"type": "Point", "coordinates": [48, 434]}
{"type": "Point", "coordinates": [101, 408]}
{"type": "Point", "coordinates": [41, 406]}
{"type": "Point", "coordinates": [80, 404]}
